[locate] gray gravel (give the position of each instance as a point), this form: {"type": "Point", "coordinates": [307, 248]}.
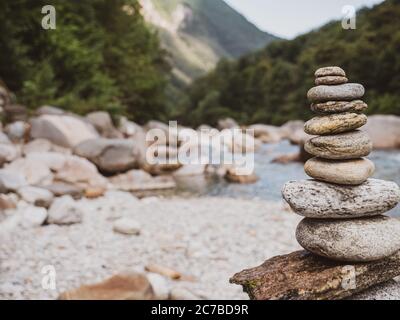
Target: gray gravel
{"type": "Point", "coordinates": [209, 239]}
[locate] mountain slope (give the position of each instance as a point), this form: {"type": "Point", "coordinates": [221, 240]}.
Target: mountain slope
{"type": "Point", "coordinates": [198, 33]}
{"type": "Point", "coordinates": [270, 85]}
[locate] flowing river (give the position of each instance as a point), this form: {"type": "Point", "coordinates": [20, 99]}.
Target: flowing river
{"type": "Point", "coordinates": [274, 175]}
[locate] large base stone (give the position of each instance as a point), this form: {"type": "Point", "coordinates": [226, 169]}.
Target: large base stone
{"type": "Point", "coordinates": [304, 276]}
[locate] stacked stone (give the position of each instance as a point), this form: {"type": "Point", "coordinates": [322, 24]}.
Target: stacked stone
{"type": "Point", "coordinates": [343, 207]}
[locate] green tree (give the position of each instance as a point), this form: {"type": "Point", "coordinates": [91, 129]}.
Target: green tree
{"type": "Point", "coordinates": [101, 56]}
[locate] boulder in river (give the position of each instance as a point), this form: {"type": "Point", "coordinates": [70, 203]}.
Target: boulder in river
{"type": "Point", "coordinates": [102, 121]}
{"type": "Point", "coordinates": [64, 130]}
{"type": "Point", "coordinates": [132, 286]}
{"type": "Point", "coordinates": [384, 131]}
{"type": "Point", "coordinates": [112, 155]}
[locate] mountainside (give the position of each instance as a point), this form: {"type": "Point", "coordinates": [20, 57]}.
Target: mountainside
{"type": "Point", "coordinates": [197, 33]}
{"type": "Point", "coordinates": [270, 85]}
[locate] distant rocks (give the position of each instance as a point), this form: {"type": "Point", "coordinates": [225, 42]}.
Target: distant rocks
{"type": "Point", "coordinates": [111, 155]}
{"type": "Point", "coordinates": [12, 181]}
{"type": "Point", "coordinates": [347, 172]}
{"type": "Point", "coordinates": [235, 175]}
{"type": "Point", "coordinates": [349, 145]}
{"type": "Point", "coordinates": [139, 180]}
{"type": "Point", "coordinates": [37, 145]}
{"type": "Point", "coordinates": [351, 240]}
{"type": "Point", "coordinates": [8, 153]}
{"type": "Point", "coordinates": [103, 123]}
{"type": "Point", "coordinates": [37, 196]}
{"type": "Point", "coordinates": [335, 123]}
{"type": "Point", "coordinates": [34, 172]}
{"type": "Point", "coordinates": [348, 91]}
{"type": "Point", "coordinates": [384, 131]}
{"type": "Point", "coordinates": [60, 189]}
{"type": "Point", "coordinates": [17, 131]}
{"type": "Point", "coordinates": [266, 133]}
{"type": "Point", "coordinates": [65, 211]}
{"type": "Point", "coordinates": [64, 130]}
{"type": "Point", "coordinates": [316, 199]}
{"type": "Point", "coordinates": [32, 217]}
{"type": "Point", "coordinates": [227, 123]}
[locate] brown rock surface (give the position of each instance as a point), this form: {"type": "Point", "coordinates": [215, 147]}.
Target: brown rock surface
{"type": "Point", "coordinates": [334, 123]}
{"type": "Point", "coordinates": [304, 276]}
{"type": "Point", "coordinates": [119, 287]}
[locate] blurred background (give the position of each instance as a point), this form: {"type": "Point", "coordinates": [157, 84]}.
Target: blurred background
{"type": "Point", "coordinates": [76, 102]}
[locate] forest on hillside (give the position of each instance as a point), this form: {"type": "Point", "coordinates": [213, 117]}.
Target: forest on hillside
{"type": "Point", "coordinates": [103, 56]}
{"type": "Point", "coordinates": [270, 86]}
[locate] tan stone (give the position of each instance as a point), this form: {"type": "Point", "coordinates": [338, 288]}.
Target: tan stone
{"type": "Point", "coordinates": [133, 286]}
{"type": "Point", "coordinates": [335, 123]}
{"type": "Point", "coordinates": [349, 145]}
{"type": "Point", "coordinates": [339, 106]}
{"type": "Point", "coordinates": [348, 172]}
{"type": "Point", "coordinates": [330, 80]}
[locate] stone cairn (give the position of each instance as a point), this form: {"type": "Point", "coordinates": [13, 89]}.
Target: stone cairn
{"type": "Point", "coordinates": [343, 206]}
{"type": "Point", "coordinates": [344, 225]}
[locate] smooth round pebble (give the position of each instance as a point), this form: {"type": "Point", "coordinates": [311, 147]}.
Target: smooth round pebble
{"type": "Point", "coordinates": [339, 106]}
{"type": "Point", "coordinates": [330, 71]}
{"type": "Point", "coordinates": [315, 199]}
{"type": "Point", "coordinates": [335, 123]}
{"type": "Point", "coordinates": [127, 226]}
{"type": "Point", "coordinates": [347, 172]}
{"type": "Point", "coordinates": [349, 145]}
{"type": "Point", "coordinates": [358, 240]}
{"type": "Point", "coordinates": [330, 80]}
{"type": "Point", "coordinates": [347, 91]}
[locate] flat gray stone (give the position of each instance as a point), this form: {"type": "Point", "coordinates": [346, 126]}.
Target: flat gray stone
{"type": "Point", "coordinates": [330, 80]}
{"type": "Point", "coordinates": [330, 71]}
{"type": "Point", "coordinates": [315, 199]}
{"type": "Point", "coordinates": [339, 106]}
{"type": "Point", "coordinates": [347, 172]}
{"type": "Point", "coordinates": [335, 123]}
{"type": "Point", "coordinates": [347, 92]}
{"type": "Point", "coordinates": [349, 145]}
{"type": "Point", "coordinates": [357, 240]}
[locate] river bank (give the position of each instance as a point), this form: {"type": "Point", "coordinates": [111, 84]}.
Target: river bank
{"type": "Point", "coordinates": [207, 240]}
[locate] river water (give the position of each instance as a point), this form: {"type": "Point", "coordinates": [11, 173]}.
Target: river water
{"type": "Point", "coordinates": [273, 176]}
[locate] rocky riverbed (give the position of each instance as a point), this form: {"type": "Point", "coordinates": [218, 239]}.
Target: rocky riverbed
{"type": "Point", "coordinates": [207, 240]}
